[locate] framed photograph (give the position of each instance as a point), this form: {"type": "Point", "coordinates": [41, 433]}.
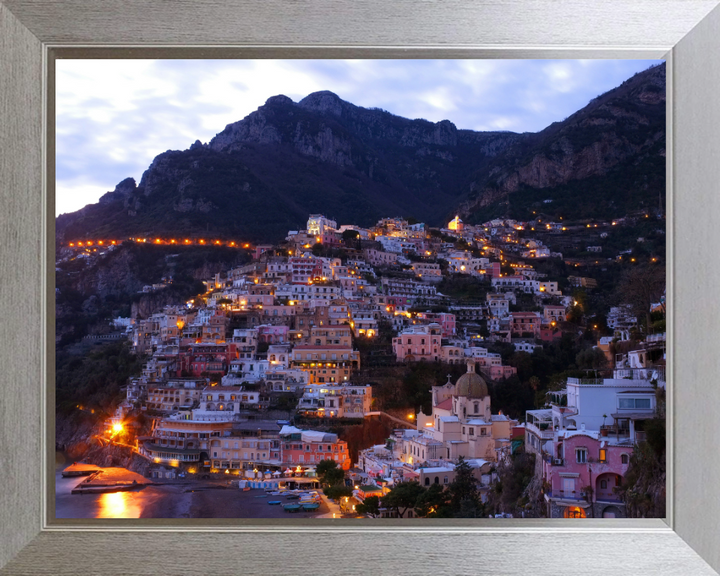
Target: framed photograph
{"type": "Point", "coordinates": [35, 36]}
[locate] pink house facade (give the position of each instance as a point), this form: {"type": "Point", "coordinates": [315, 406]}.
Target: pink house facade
{"type": "Point", "coordinates": [445, 319]}
{"type": "Point", "coordinates": [418, 343]}
{"type": "Point", "coordinates": [308, 448]}
{"type": "Point", "coordinates": [525, 323]}
{"type": "Point", "coordinates": [582, 459]}
{"type": "Point", "coordinates": [272, 334]}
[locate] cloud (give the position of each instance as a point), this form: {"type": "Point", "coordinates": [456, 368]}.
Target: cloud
{"type": "Point", "coordinates": [115, 116]}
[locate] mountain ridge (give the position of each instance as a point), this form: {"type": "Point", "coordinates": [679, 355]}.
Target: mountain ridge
{"type": "Point", "coordinates": [263, 175]}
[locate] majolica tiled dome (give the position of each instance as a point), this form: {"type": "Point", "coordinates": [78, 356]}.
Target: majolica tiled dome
{"type": "Point", "coordinates": [471, 385]}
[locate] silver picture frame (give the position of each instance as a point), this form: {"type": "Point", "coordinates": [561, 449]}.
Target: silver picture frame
{"type": "Point", "coordinates": [33, 33]}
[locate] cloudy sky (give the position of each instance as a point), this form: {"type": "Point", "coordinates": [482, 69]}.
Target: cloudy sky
{"type": "Point", "coordinates": [115, 116]}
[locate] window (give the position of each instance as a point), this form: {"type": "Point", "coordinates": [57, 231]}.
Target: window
{"type": "Point", "coordinates": [472, 431]}
{"type": "Point", "coordinates": [445, 480]}
{"type": "Point", "coordinates": [483, 432]}
{"type": "Point", "coordinates": [624, 458]}
{"type": "Point", "coordinates": [603, 455]}
{"type": "Point", "coordinates": [427, 481]}
{"type": "Point", "coordinates": [581, 455]}
{"type": "Point", "coordinates": [634, 403]}
{"type": "Point", "coordinates": [603, 484]}
{"type": "Point", "coordinates": [476, 407]}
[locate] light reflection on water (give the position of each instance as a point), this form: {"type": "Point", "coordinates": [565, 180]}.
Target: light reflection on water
{"type": "Point", "coordinates": [118, 505]}
{"type": "Point", "coordinates": [109, 505]}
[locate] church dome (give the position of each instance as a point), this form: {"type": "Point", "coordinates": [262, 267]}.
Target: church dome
{"type": "Point", "coordinates": [471, 384]}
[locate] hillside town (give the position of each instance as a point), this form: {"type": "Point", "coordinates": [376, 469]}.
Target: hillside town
{"type": "Point", "coordinates": [292, 329]}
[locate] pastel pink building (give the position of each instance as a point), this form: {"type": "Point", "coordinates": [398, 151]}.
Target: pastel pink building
{"type": "Point", "coordinates": [493, 269]}
{"type": "Point", "coordinates": [550, 333]}
{"type": "Point", "coordinates": [444, 319]}
{"type": "Point", "coordinates": [418, 343]}
{"type": "Point", "coordinates": [525, 323]}
{"type": "Point", "coordinates": [305, 269]}
{"type": "Point", "coordinates": [582, 459]}
{"type": "Point", "coordinates": [308, 447]}
{"type": "Point", "coordinates": [272, 334]}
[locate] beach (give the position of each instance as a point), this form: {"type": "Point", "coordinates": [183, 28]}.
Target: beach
{"type": "Point", "coordinates": [173, 499]}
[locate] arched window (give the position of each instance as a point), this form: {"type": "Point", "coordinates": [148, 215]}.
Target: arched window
{"type": "Point", "coordinates": [427, 481]}
{"type": "Point", "coordinates": [437, 479]}
{"type": "Point", "coordinates": [445, 480]}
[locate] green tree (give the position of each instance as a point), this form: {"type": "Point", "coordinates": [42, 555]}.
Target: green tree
{"type": "Point", "coordinates": [349, 235]}
{"type": "Point", "coordinates": [591, 359]}
{"type": "Point", "coordinates": [403, 497]}
{"type": "Point", "coordinates": [338, 491]}
{"type": "Point", "coordinates": [464, 496]}
{"type": "Point", "coordinates": [641, 286]}
{"type": "Point", "coordinates": [329, 473]}
{"type": "Point", "coordinates": [370, 507]}
{"type": "Point", "coordinates": [433, 503]}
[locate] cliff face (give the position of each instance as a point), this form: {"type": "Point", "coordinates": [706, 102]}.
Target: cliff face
{"type": "Point", "coordinates": [79, 441]}
{"type": "Point", "coordinates": [622, 128]}
{"type": "Point", "coordinates": [264, 174]}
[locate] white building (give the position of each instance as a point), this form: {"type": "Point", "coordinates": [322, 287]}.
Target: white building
{"type": "Point", "coordinates": [317, 224]}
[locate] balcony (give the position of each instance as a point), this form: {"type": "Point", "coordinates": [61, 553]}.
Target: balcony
{"type": "Point", "coordinates": [543, 430]}
{"type": "Point", "coordinates": [566, 495]}
{"type": "Point", "coordinates": [586, 381]}
{"type": "Point", "coordinates": [614, 430]}
{"type": "Point", "coordinates": [649, 374]}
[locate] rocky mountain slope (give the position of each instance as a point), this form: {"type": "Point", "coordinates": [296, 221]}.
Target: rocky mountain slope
{"type": "Point", "coordinates": [263, 175]}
